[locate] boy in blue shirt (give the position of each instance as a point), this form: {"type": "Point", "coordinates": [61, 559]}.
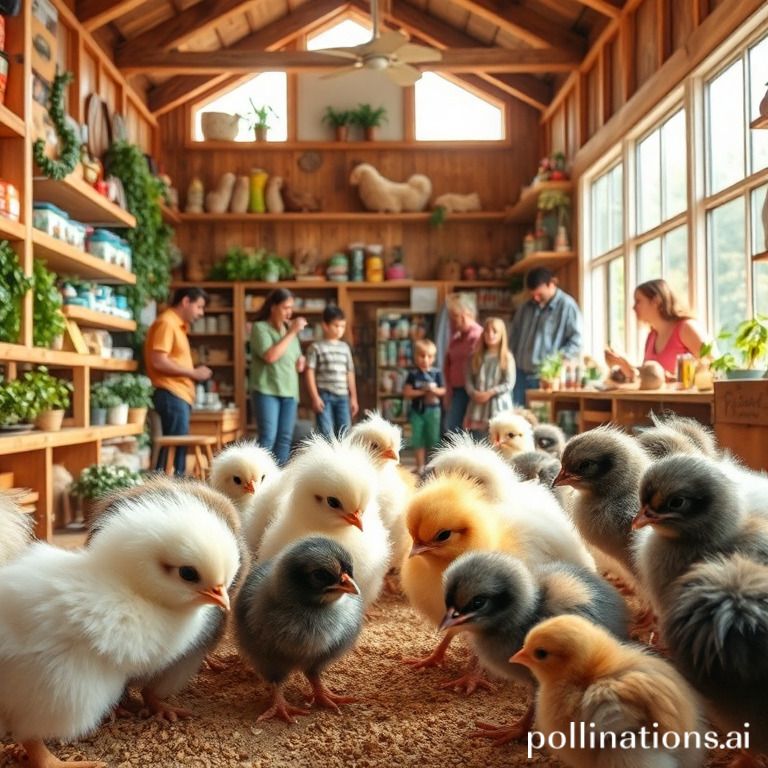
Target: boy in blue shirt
{"type": "Point", "coordinates": [424, 388]}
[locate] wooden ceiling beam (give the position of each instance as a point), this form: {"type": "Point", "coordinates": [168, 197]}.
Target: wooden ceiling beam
{"type": "Point", "coordinates": [226, 60]}
{"type": "Point", "coordinates": [179, 90]}
{"type": "Point", "coordinates": [94, 14]}
{"type": "Point", "coordinates": [531, 90]}
{"type": "Point", "coordinates": [196, 20]}
{"type": "Point", "coordinates": [605, 7]}
{"type": "Point", "coordinates": [526, 25]}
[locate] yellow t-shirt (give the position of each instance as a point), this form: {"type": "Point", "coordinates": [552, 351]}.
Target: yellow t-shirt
{"type": "Point", "coordinates": [169, 334]}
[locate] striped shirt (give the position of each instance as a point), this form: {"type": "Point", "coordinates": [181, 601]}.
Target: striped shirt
{"type": "Point", "coordinates": [539, 331]}
{"type": "Point", "coordinates": [331, 362]}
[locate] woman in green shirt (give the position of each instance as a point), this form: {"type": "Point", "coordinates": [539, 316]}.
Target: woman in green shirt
{"type": "Point", "coordinates": [276, 362]}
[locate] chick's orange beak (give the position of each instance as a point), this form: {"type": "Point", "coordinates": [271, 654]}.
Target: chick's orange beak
{"type": "Point", "coordinates": [453, 618]}
{"type": "Point", "coordinates": [646, 516]}
{"type": "Point", "coordinates": [521, 657]}
{"type": "Point", "coordinates": [564, 478]}
{"type": "Point", "coordinates": [353, 518]}
{"type": "Point", "coordinates": [215, 596]}
{"type": "Point", "coordinates": [390, 454]}
{"type": "Point", "coordinates": [248, 487]}
{"type": "Point", "coordinates": [346, 584]}
{"type": "Point", "coordinates": [418, 548]}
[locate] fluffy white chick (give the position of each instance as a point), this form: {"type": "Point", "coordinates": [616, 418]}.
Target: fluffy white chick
{"type": "Point", "coordinates": [15, 527]}
{"type": "Point", "coordinates": [76, 625]}
{"type": "Point", "coordinates": [545, 531]}
{"type": "Point", "coordinates": [333, 489]}
{"type": "Point", "coordinates": [240, 471]}
{"type": "Point", "coordinates": [511, 433]}
{"type": "Point", "coordinates": [383, 440]}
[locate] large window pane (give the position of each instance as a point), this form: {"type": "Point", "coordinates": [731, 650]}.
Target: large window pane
{"type": "Point", "coordinates": [726, 124]}
{"type": "Point", "coordinates": [599, 206]}
{"type": "Point", "coordinates": [595, 314]}
{"type": "Point", "coordinates": [674, 164]}
{"type": "Point", "coordinates": [676, 261]}
{"type": "Point", "coordinates": [759, 204]}
{"type": "Point", "coordinates": [649, 260]}
{"type": "Point", "coordinates": [728, 259]}
{"type": "Point", "coordinates": [758, 74]}
{"type": "Point", "coordinates": [649, 182]}
{"type": "Point", "coordinates": [616, 206]}
{"type": "Point", "coordinates": [616, 304]}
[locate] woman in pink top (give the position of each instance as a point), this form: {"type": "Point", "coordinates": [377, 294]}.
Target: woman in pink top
{"type": "Point", "coordinates": [673, 331]}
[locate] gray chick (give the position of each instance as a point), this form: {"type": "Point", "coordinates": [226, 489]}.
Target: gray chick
{"type": "Point", "coordinates": [299, 611]}
{"type": "Point", "coordinates": [536, 465]}
{"type": "Point", "coordinates": [706, 565]}
{"type": "Point", "coordinates": [677, 434]}
{"type": "Point", "coordinates": [497, 599]}
{"type": "Point", "coordinates": [605, 465]}
{"type": "Point", "coordinates": [550, 439]}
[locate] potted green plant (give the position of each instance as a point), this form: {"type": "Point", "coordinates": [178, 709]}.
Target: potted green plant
{"type": "Point", "coordinates": [51, 396]}
{"type": "Point", "coordinates": [102, 399]}
{"type": "Point", "coordinates": [135, 390]}
{"type": "Point", "coordinates": [549, 371]}
{"type": "Point", "coordinates": [369, 119]}
{"type": "Point", "coordinates": [13, 285]}
{"type": "Point", "coordinates": [47, 321]}
{"type": "Point", "coordinates": [339, 120]}
{"type": "Point", "coordinates": [100, 480]}
{"type": "Point", "coordinates": [258, 119]}
{"type": "Point", "coordinates": [750, 339]}
{"type": "Point", "coordinates": [17, 406]}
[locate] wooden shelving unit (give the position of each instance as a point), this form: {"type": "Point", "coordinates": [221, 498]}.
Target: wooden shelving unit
{"type": "Point", "coordinates": [524, 210]}
{"type": "Point", "coordinates": [35, 440]}
{"type": "Point", "coordinates": [550, 259]}
{"type": "Point", "coordinates": [341, 216]}
{"type": "Point", "coordinates": [65, 259]}
{"type": "Point", "coordinates": [11, 230]}
{"type": "Point", "coordinates": [11, 125]}
{"type": "Point", "coordinates": [60, 359]}
{"type": "Point", "coordinates": [341, 146]}
{"type": "Point", "coordinates": [88, 318]}
{"type": "Point", "coordinates": [170, 215]}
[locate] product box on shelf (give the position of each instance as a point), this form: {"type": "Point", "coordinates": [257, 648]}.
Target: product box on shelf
{"type": "Point", "coordinates": [45, 21]}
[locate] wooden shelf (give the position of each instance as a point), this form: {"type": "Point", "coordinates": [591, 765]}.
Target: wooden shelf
{"type": "Point", "coordinates": [11, 230]}
{"type": "Point", "coordinates": [170, 215]}
{"type": "Point", "coordinates": [81, 201]}
{"type": "Point", "coordinates": [341, 216]}
{"type": "Point", "coordinates": [524, 210]}
{"type": "Point", "coordinates": [210, 333]}
{"type": "Point", "coordinates": [11, 125]}
{"type": "Point", "coordinates": [344, 146]}
{"type": "Point", "coordinates": [58, 358]}
{"type": "Point", "coordinates": [65, 259]}
{"type": "Point", "coordinates": [88, 318]}
{"type": "Point", "coordinates": [68, 436]}
{"type": "Point", "coordinates": [760, 122]}
{"type": "Point", "coordinates": [551, 259]}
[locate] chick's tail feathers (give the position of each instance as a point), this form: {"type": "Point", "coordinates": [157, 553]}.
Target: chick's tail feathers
{"type": "Point", "coordinates": [718, 625]}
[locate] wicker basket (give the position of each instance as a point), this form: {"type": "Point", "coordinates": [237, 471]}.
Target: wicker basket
{"type": "Point", "coordinates": [219, 126]}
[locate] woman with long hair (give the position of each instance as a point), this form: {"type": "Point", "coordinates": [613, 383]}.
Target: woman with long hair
{"type": "Point", "coordinates": [276, 362]}
{"type": "Point", "coordinates": [673, 330]}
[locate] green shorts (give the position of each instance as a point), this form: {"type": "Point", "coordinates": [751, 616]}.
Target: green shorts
{"type": "Point", "coordinates": [425, 428]}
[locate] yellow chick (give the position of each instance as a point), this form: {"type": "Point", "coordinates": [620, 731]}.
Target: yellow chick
{"type": "Point", "coordinates": [596, 690]}
{"type": "Point", "coordinates": [511, 433]}
{"type": "Point", "coordinates": [447, 517]}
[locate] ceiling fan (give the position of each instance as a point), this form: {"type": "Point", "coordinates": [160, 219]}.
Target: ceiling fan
{"type": "Point", "coordinates": [389, 51]}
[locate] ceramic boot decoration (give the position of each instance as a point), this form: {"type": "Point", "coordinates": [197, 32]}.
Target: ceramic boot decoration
{"type": "Point", "coordinates": [240, 195]}
{"type": "Point", "coordinates": [274, 198]}
{"type": "Point", "coordinates": [256, 202]}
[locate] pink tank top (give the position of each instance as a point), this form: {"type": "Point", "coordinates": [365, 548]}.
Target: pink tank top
{"type": "Point", "coordinates": [668, 356]}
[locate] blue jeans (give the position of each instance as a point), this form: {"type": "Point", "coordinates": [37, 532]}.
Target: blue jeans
{"type": "Point", "coordinates": [275, 419]}
{"type": "Point", "coordinates": [454, 418]}
{"type": "Point", "coordinates": [523, 381]}
{"type": "Point", "coordinates": [335, 418]}
{"type": "Point", "coordinates": [174, 418]}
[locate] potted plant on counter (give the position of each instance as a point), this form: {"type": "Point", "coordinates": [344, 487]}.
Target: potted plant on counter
{"type": "Point", "coordinates": [135, 390]}
{"type": "Point", "coordinates": [258, 119]}
{"type": "Point", "coordinates": [339, 120]}
{"type": "Point", "coordinates": [750, 339]}
{"type": "Point", "coordinates": [51, 397]}
{"type": "Point", "coordinates": [369, 119]}
{"type": "Point", "coordinates": [17, 407]}
{"type": "Point", "coordinates": [549, 371]}
{"type": "Point", "coordinates": [102, 399]}
{"type": "Point", "coordinates": [98, 481]}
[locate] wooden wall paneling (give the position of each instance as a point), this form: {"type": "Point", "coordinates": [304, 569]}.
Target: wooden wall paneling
{"type": "Point", "coordinates": [613, 68]}
{"type": "Point", "coordinates": [664, 12]}
{"type": "Point", "coordinates": [558, 131]}
{"type": "Point", "coordinates": [89, 74]}
{"type": "Point", "coordinates": [576, 119]}
{"type": "Point", "coordinates": [627, 56]}
{"type": "Point", "coordinates": [591, 99]}
{"type": "Point", "coordinates": [683, 20]}
{"type": "Point", "coordinates": [646, 41]}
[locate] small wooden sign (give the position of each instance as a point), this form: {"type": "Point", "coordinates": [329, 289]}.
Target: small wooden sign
{"type": "Point", "coordinates": [742, 402]}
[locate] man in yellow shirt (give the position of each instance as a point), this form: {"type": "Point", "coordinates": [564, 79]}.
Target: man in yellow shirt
{"type": "Point", "coordinates": [168, 360]}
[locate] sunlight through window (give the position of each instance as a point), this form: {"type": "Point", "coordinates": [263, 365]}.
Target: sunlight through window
{"type": "Point", "coordinates": [267, 88]}
{"type": "Point", "coordinates": [447, 112]}
{"type": "Point", "coordinates": [343, 35]}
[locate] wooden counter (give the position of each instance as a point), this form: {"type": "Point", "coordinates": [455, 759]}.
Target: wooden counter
{"type": "Point", "coordinates": [624, 407]}
{"type": "Point", "coordinates": [741, 419]}
{"type": "Point", "coordinates": [223, 424]}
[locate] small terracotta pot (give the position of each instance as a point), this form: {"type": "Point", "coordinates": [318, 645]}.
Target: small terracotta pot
{"type": "Point", "coordinates": [260, 132]}
{"type": "Point", "coordinates": [342, 133]}
{"type": "Point", "coordinates": [137, 415]}
{"type": "Point", "coordinates": [50, 421]}
{"type": "Point", "coordinates": [371, 132]}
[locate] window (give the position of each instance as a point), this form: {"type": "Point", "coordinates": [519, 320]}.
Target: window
{"type": "Point", "coordinates": [726, 249]}
{"type": "Point", "coordinates": [266, 88]}
{"type": "Point", "coordinates": [446, 111]}
{"type": "Point", "coordinates": [342, 35]}
{"type": "Point", "coordinates": [607, 212]}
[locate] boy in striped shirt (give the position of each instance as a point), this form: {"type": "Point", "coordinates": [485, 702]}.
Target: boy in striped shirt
{"type": "Point", "coordinates": [331, 376]}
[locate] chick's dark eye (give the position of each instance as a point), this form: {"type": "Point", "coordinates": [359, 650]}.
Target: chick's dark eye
{"type": "Point", "coordinates": [540, 654]}
{"type": "Point", "coordinates": [477, 602]}
{"type": "Point", "coordinates": [323, 578]}
{"type": "Point", "coordinates": [334, 503]}
{"type": "Point", "coordinates": [677, 503]}
{"type": "Point", "coordinates": [237, 480]}
{"type": "Point", "coordinates": [375, 446]}
{"type": "Point", "coordinates": [262, 478]}
{"type": "Point", "coordinates": [189, 573]}
{"type": "Point", "coordinates": [443, 536]}
{"type": "Point", "coordinates": [586, 466]}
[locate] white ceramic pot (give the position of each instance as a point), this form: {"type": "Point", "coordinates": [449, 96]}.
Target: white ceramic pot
{"type": "Point", "coordinates": [117, 416]}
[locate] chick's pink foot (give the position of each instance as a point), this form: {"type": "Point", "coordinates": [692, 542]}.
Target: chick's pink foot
{"type": "Point", "coordinates": [162, 710]}
{"type": "Point", "coordinates": [502, 734]}
{"type": "Point", "coordinates": [282, 709]}
{"type": "Point", "coordinates": [435, 659]}
{"type": "Point", "coordinates": [324, 697]}
{"type": "Point", "coordinates": [471, 681]}
{"type": "Point", "coordinates": [41, 757]}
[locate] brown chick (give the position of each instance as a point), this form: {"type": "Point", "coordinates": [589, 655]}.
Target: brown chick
{"type": "Point", "coordinates": [447, 517]}
{"type": "Point", "coordinates": [590, 680]}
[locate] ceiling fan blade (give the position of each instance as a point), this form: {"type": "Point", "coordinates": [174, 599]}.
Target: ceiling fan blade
{"type": "Point", "coordinates": [356, 67]}
{"type": "Point", "coordinates": [403, 74]}
{"type": "Point", "coordinates": [410, 53]}
{"type": "Point", "coordinates": [389, 42]}
{"type": "Point", "coordinates": [344, 53]}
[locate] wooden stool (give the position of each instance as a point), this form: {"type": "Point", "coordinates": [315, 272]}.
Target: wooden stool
{"type": "Point", "coordinates": [196, 442]}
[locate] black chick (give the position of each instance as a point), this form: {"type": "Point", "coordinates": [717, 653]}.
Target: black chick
{"type": "Point", "coordinates": [550, 439]}
{"type": "Point", "coordinates": [497, 599]}
{"type": "Point", "coordinates": [300, 611]}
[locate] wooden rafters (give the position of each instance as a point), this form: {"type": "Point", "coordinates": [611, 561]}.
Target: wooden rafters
{"type": "Point", "coordinates": [227, 60]}
{"type": "Point", "coordinates": [526, 25]}
{"type": "Point", "coordinates": [196, 20]}
{"type": "Point", "coordinates": [531, 90]}
{"type": "Point", "coordinates": [93, 14]}
{"type": "Point", "coordinates": [606, 7]}
{"type": "Point", "coordinates": [180, 89]}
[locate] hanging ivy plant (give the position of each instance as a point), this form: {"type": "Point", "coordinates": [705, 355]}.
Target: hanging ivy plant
{"type": "Point", "coordinates": [69, 153]}
{"type": "Point", "coordinates": [150, 240]}
{"type": "Point", "coordinates": [13, 285]}
{"type": "Point", "coordinates": [48, 322]}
